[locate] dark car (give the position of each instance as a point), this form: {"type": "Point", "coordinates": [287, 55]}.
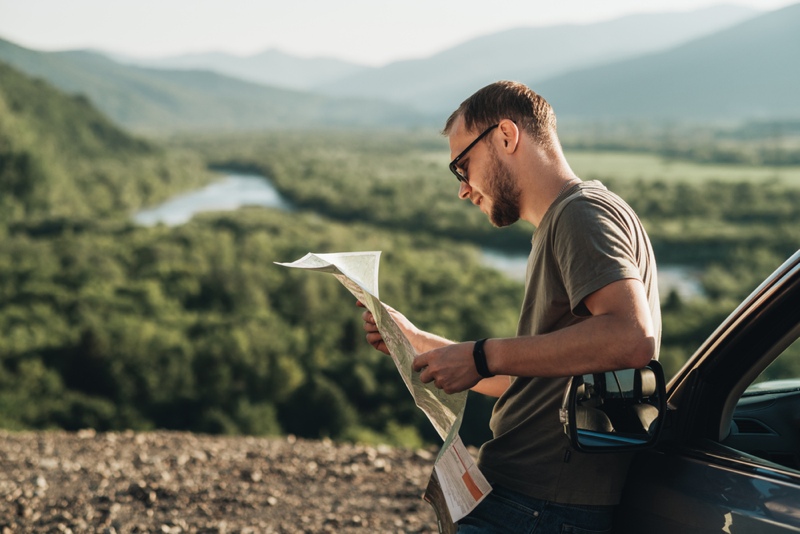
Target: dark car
{"type": "Point", "coordinates": [718, 447]}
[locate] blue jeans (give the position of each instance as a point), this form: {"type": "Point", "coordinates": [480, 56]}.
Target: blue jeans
{"type": "Point", "coordinates": [508, 512]}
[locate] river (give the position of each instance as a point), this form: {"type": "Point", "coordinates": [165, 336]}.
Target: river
{"type": "Point", "coordinates": [236, 190]}
{"type": "Point", "coordinates": [230, 193]}
{"type": "Point", "coordinates": [685, 281]}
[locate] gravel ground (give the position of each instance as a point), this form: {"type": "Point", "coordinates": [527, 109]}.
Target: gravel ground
{"type": "Point", "coordinates": [172, 482]}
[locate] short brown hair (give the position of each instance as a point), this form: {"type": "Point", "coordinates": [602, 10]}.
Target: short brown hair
{"type": "Point", "coordinates": [507, 100]}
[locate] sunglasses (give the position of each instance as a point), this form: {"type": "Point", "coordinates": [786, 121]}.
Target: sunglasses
{"type": "Point", "coordinates": [460, 173]}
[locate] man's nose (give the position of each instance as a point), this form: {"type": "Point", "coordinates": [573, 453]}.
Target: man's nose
{"type": "Point", "coordinates": [463, 190]}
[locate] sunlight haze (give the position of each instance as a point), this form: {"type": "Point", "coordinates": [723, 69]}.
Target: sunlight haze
{"type": "Point", "coordinates": [359, 31]}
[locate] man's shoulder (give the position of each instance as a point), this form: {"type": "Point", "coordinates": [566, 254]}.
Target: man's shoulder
{"type": "Point", "coordinates": [586, 198]}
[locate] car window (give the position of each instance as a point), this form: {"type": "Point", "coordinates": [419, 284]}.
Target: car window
{"type": "Point", "coordinates": [766, 422]}
{"type": "Point", "coordinates": [785, 367]}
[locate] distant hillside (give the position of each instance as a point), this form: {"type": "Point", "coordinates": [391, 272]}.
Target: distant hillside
{"type": "Point", "coordinates": [751, 70]}
{"type": "Point", "coordinates": [440, 82]}
{"type": "Point", "coordinates": [153, 99]}
{"type": "Point", "coordinates": [60, 157]}
{"type": "Point", "coordinates": [271, 67]}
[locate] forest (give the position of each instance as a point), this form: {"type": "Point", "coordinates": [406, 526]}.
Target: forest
{"type": "Point", "coordinates": [111, 325]}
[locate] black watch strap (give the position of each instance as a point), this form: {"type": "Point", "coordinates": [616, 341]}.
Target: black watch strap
{"type": "Point", "coordinates": [480, 359]}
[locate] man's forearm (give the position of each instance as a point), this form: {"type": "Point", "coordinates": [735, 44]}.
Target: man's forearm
{"type": "Point", "coordinates": [492, 387]}
{"type": "Point", "coordinates": [618, 335]}
{"type": "Point", "coordinates": [597, 344]}
{"type": "Point", "coordinates": [423, 341]}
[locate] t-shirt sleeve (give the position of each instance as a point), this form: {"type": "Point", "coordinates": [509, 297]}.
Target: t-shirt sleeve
{"type": "Point", "coordinates": [593, 247]}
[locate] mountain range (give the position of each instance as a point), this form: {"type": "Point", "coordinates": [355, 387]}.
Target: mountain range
{"type": "Point", "coordinates": [157, 100]}
{"type": "Point", "coordinates": [271, 67]}
{"type": "Point", "coordinates": [722, 63]}
{"type": "Point", "coordinates": [532, 54]}
{"type": "Point", "coordinates": [751, 70]}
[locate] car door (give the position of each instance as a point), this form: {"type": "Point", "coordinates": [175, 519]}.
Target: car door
{"type": "Point", "coordinates": [727, 460]}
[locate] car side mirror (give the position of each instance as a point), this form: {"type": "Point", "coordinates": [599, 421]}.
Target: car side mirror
{"type": "Point", "coordinates": [615, 411]}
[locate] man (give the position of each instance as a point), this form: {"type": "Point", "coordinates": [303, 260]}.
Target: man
{"type": "Point", "coordinates": [590, 305]}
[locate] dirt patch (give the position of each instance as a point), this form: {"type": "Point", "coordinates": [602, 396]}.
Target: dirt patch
{"type": "Point", "coordinates": [171, 482]}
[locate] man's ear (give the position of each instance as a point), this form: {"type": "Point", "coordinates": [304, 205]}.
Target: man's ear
{"type": "Point", "coordinates": [510, 134]}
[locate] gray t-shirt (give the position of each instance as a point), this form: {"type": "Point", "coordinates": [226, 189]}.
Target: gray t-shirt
{"type": "Point", "coordinates": [588, 238]}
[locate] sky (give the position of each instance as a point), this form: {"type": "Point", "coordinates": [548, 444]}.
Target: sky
{"type": "Point", "coordinates": [368, 32]}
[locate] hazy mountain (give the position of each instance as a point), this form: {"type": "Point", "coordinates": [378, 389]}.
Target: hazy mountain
{"type": "Point", "coordinates": [751, 70]}
{"type": "Point", "coordinates": [440, 82]}
{"type": "Point", "coordinates": [149, 99]}
{"type": "Point", "coordinates": [271, 67]}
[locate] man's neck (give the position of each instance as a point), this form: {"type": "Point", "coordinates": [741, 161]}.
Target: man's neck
{"type": "Point", "coordinates": [546, 178]}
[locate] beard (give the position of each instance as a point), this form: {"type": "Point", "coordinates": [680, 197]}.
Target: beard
{"type": "Point", "coordinates": [505, 194]}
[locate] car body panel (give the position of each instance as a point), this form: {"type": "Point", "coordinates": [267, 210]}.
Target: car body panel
{"type": "Point", "coordinates": [697, 492]}
{"type": "Point", "coordinates": [694, 480]}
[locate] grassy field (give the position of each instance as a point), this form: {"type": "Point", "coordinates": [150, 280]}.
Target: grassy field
{"type": "Point", "coordinates": [604, 165]}
{"type": "Point", "coordinates": [635, 166]}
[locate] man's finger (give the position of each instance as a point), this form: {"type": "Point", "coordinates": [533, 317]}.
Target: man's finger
{"type": "Point", "coordinates": [419, 363]}
{"type": "Point", "coordinates": [371, 328]}
{"type": "Point", "coordinates": [425, 376]}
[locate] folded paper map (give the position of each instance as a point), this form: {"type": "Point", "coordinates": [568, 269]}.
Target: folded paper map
{"type": "Point", "coordinates": [456, 481]}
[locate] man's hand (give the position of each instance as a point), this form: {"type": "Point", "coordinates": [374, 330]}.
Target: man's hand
{"type": "Point", "coordinates": [374, 337]}
{"type": "Point", "coordinates": [421, 340]}
{"type": "Point", "coordinates": [450, 368]}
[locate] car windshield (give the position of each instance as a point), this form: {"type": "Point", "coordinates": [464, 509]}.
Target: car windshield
{"type": "Point", "coordinates": [764, 422]}
{"type": "Point", "coordinates": [782, 375]}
